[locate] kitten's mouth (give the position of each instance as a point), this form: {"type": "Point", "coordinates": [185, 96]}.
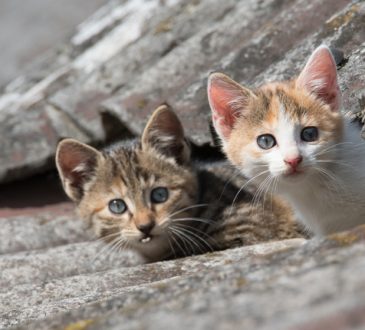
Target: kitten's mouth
{"type": "Point", "coordinates": [294, 173]}
{"type": "Point", "coordinates": [146, 239]}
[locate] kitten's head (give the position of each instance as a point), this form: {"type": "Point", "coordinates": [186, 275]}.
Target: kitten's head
{"type": "Point", "coordinates": [132, 194]}
{"type": "Point", "coordinates": [281, 130]}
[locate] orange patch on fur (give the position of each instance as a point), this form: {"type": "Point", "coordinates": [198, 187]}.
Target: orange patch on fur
{"type": "Point", "coordinates": [303, 109]}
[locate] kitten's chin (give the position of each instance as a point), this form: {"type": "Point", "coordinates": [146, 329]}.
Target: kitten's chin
{"type": "Point", "coordinates": [293, 177]}
{"type": "Point", "coordinates": [153, 248]}
{"type": "Point", "coordinates": [148, 241]}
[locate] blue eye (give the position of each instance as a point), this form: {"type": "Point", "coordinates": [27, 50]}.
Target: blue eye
{"type": "Point", "coordinates": [159, 195]}
{"type": "Point", "coordinates": [266, 141]}
{"type": "Point", "coordinates": [117, 206]}
{"type": "Point", "coordinates": [309, 134]}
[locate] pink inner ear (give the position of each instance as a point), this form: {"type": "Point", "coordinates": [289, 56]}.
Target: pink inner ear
{"type": "Point", "coordinates": [70, 160]}
{"type": "Point", "coordinates": [221, 110]}
{"type": "Point", "coordinates": [169, 124]}
{"type": "Point", "coordinates": [226, 98]}
{"type": "Point", "coordinates": [319, 77]}
{"type": "Point", "coordinates": [76, 162]}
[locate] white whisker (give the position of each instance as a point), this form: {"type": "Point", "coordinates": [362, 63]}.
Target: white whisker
{"type": "Point", "coordinates": [186, 234]}
{"type": "Point", "coordinates": [243, 186]}
{"type": "Point", "coordinates": [192, 231]}
{"type": "Point", "coordinates": [207, 221]}
{"type": "Point", "coordinates": [178, 236]}
{"type": "Point", "coordinates": [187, 208]}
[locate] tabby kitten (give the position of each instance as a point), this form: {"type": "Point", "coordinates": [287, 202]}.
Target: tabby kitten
{"type": "Point", "coordinates": [293, 138]}
{"type": "Point", "coordinates": [148, 196]}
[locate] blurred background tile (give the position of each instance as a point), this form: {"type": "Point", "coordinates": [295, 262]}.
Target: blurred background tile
{"type": "Point", "coordinates": [28, 28]}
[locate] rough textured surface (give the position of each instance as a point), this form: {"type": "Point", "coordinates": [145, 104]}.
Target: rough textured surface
{"type": "Point", "coordinates": [128, 58]}
{"type": "Point", "coordinates": [318, 283]}
{"type": "Point", "coordinates": [43, 29]}
{"type": "Point", "coordinates": [101, 85]}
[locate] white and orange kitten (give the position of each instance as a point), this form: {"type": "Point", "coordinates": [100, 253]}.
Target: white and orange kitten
{"type": "Point", "coordinates": [292, 138]}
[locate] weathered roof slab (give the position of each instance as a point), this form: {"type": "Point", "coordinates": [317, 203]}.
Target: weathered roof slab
{"type": "Point", "coordinates": [127, 59]}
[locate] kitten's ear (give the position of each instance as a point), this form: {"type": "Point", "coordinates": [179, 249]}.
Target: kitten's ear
{"type": "Point", "coordinates": [228, 100]}
{"type": "Point", "coordinates": [76, 163]}
{"type": "Point", "coordinates": [319, 78]}
{"type": "Point", "coordinates": [165, 134]}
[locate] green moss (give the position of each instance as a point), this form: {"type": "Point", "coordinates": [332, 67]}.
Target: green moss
{"type": "Point", "coordinates": [343, 19]}
{"type": "Point", "coordinates": [160, 286]}
{"type": "Point", "coordinates": [141, 103]}
{"type": "Point", "coordinates": [80, 325]}
{"type": "Point", "coordinates": [240, 282]}
{"type": "Point", "coordinates": [164, 26]}
{"type": "Point", "coordinates": [344, 239]}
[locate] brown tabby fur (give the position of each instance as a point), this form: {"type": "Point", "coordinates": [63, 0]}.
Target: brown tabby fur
{"type": "Point", "coordinates": [205, 210]}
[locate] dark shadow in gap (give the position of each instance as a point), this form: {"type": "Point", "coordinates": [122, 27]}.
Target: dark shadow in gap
{"type": "Point", "coordinates": [39, 190]}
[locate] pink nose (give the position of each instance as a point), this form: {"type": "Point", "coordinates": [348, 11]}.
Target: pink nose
{"type": "Point", "coordinates": [294, 162]}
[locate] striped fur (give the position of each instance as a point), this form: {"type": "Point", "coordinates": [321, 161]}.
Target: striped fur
{"type": "Point", "coordinates": [205, 210]}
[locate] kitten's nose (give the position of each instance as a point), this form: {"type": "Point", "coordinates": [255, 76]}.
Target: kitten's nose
{"type": "Point", "coordinates": [294, 162]}
{"type": "Point", "coordinates": [146, 228]}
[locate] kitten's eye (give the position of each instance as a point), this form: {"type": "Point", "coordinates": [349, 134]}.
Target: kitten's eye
{"type": "Point", "coordinates": [159, 195]}
{"type": "Point", "coordinates": [266, 141]}
{"type": "Point", "coordinates": [309, 134]}
{"type": "Point", "coordinates": [117, 206]}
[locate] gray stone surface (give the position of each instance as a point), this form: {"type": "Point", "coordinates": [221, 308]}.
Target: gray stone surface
{"type": "Point", "coordinates": [127, 58]}
{"type": "Point", "coordinates": [29, 28]}
{"type": "Point", "coordinates": [25, 233]}
{"type": "Point", "coordinates": [242, 44]}
{"type": "Point", "coordinates": [101, 85]}
{"type": "Point", "coordinates": [31, 124]}
{"type": "Point", "coordinates": [293, 284]}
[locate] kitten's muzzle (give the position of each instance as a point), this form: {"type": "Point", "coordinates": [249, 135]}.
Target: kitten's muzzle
{"type": "Point", "coordinates": [293, 165]}
{"type": "Point", "coordinates": [293, 162]}
{"type": "Point", "coordinates": [146, 228]}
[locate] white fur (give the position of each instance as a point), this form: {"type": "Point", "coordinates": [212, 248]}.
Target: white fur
{"type": "Point", "coordinates": [325, 203]}
{"type": "Point", "coordinates": [80, 168]}
{"type": "Point", "coordinates": [328, 194]}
